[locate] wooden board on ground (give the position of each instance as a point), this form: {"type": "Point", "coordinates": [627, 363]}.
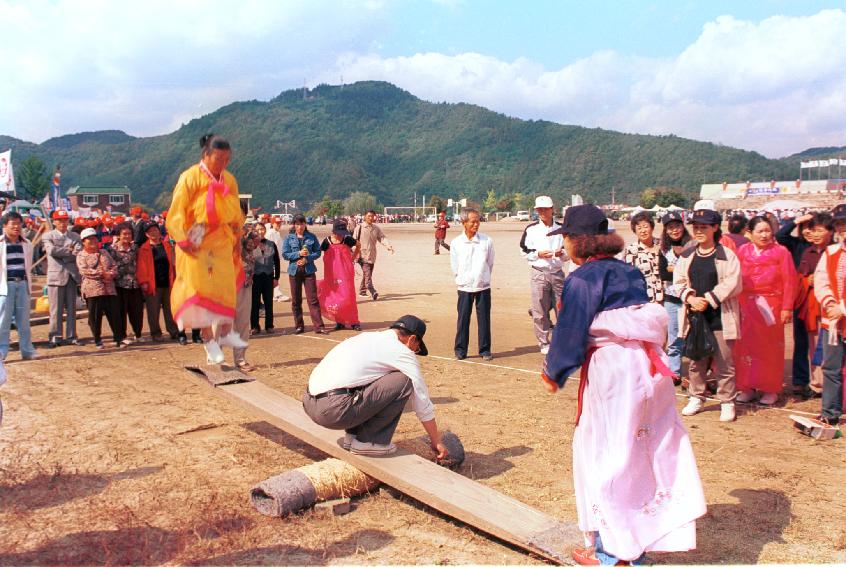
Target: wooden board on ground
{"type": "Point", "coordinates": [444, 490]}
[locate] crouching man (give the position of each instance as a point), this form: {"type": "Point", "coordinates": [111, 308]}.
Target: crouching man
{"type": "Point", "coordinates": [363, 384]}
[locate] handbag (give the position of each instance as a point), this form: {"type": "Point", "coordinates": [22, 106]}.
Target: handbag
{"type": "Point", "coordinates": [700, 341]}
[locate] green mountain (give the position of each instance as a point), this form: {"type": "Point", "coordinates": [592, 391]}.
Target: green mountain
{"type": "Point", "coordinates": [814, 153]}
{"type": "Point", "coordinates": [375, 137]}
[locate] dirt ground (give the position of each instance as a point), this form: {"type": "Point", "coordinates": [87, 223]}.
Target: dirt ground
{"type": "Point", "coordinates": [99, 463]}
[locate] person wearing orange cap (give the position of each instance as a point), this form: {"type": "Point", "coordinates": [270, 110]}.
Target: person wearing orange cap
{"type": "Point", "coordinates": [61, 247]}
{"type": "Point", "coordinates": [205, 221]}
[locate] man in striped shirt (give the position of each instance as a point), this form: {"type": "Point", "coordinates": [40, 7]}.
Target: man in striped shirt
{"type": "Point", "coordinates": [15, 266]}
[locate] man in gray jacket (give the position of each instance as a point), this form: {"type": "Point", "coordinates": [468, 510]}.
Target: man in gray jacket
{"type": "Point", "coordinates": [61, 247]}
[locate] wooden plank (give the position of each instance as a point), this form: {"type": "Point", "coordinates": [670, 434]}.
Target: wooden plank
{"type": "Point", "coordinates": [444, 490]}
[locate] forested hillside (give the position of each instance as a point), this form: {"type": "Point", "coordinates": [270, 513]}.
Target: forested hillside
{"type": "Point", "coordinates": [377, 138]}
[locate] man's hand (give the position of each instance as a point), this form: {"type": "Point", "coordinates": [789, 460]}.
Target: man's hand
{"type": "Point", "coordinates": [833, 311]}
{"type": "Point", "coordinates": [303, 253]}
{"type": "Point", "coordinates": [546, 254]}
{"type": "Point", "coordinates": [803, 218]}
{"type": "Point", "coordinates": [441, 450]}
{"type": "Point", "coordinates": [698, 303]}
{"type": "Point", "coordinates": [301, 262]}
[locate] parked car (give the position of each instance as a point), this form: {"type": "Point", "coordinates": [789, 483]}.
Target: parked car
{"type": "Point", "coordinates": [432, 218]}
{"type": "Point", "coordinates": [522, 215]}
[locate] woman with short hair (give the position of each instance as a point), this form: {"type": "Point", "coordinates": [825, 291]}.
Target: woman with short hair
{"type": "Point", "coordinates": [98, 273]}
{"type": "Point", "coordinates": [644, 255]}
{"type": "Point", "coordinates": [130, 298]}
{"type": "Point", "coordinates": [766, 306]}
{"type": "Point", "coordinates": [636, 483]}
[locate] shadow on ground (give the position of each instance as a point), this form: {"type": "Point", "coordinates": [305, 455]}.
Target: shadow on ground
{"type": "Point", "coordinates": [46, 490]}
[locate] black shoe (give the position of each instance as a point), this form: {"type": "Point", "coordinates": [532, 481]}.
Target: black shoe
{"type": "Point", "coordinates": [375, 296]}
{"type": "Point", "coordinates": [835, 421]}
{"type": "Point", "coordinates": [362, 293]}
{"type": "Point", "coordinates": [196, 340]}
{"type": "Point", "coordinates": [53, 344]}
{"type": "Point", "coordinates": [321, 331]}
{"type": "Point", "coordinates": [339, 327]}
{"type": "Point", "coordinates": [183, 340]}
{"type": "Point", "coordinates": [356, 327]}
{"type": "Point", "coordinates": [269, 331]}
{"type": "Point", "coordinates": [460, 356]}
{"type": "Point", "coordinates": [299, 331]}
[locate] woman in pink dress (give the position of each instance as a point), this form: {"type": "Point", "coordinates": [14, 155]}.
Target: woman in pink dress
{"type": "Point", "coordinates": [636, 483]}
{"type": "Point", "coordinates": [336, 290]}
{"type": "Point", "coordinates": [766, 305]}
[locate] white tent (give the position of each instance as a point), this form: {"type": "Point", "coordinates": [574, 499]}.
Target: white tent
{"type": "Point", "coordinates": [675, 208]}
{"type": "Point", "coordinates": [783, 204]}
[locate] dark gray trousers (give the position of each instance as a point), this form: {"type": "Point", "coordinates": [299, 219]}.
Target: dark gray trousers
{"type": "Point", "coordinates": [371, 413]}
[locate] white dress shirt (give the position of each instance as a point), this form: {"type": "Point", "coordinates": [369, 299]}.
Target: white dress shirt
{"type": "Point", "coordinates": [362, 359]}
{"type": "Point", "coordinates": [535, 240]}
{"type": "Point", "coordinates": [472, 261]}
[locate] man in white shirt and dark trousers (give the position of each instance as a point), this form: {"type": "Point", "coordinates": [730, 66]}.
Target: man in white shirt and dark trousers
{"type": "Point", "coordinates": [472, 258]}
{"type": "Point", "coordinates": [363, 384]}
{"type": "Point", "coordinates": [546, 258]}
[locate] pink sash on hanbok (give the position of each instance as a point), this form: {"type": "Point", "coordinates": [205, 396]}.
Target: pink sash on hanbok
{"type": "Point", "coordinates": [336, 290]}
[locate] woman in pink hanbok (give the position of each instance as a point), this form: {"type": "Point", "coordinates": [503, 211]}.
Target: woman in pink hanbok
{"type": "Point", "coordinates": [766, 305]}
{"type": "Point", "coordinates": [636, 482]}
{"type": "Point", "coordinates": [336, 290]}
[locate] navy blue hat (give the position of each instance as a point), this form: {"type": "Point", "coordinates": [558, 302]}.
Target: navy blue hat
{"type": "Point", "coordinates": [672, 216]}
{"type": "Point", "coordinates": [838, 213]}
{"type": "Point", "coordinates": [583, 220]}
{"type": "Point", "coordinates": [705, 216]}
{"type": "Point", "coordinates": [339, 227]}
{"type": "Point", "coordinates": [416, 327]}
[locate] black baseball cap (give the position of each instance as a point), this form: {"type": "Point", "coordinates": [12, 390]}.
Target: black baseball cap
{"type": "Point", "coordinates": [705, 216]}
{"type": "Point", "coordinates": [339, 227]}
{"type": "Point", "coordinates": [838, 213]}
{"type": "Point", "coordinates": [583, 220]}
{"type": "Point", "coordinates": [672, 216]}
{"type": "Point", "coordinates": [416, 327]}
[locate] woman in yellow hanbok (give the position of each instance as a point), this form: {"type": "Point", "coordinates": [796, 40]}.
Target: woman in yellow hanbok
{"type": "Point", "coordinates": [205, 221]}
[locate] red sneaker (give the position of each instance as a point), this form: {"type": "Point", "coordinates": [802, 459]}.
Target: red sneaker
{"type": "Point", "coordinates": [587, 556]}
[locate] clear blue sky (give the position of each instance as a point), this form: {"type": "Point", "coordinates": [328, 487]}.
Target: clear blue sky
{"type": "Point", "coordinates": [555, 32]}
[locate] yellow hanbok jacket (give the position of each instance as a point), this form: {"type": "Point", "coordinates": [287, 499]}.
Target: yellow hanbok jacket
{"type": "Point", "coordinates": [204, 291]}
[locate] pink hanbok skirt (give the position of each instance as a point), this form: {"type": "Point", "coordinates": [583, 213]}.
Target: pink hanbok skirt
{"type": "Point", "coordinates": [759, 352]}
{"type": "Point", "coordinates": [635, 475]}
{"type": "Point", "coordinates": [336, 291]}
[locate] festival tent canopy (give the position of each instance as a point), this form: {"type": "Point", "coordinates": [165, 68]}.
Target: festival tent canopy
{"type": "Point", "coordinates": [781, 204]}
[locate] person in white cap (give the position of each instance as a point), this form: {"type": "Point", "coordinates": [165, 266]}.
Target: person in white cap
{"type": "Point", "coordinates": [546, 257]}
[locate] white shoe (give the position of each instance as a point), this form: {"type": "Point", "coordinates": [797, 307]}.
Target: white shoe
{"type": "Point", "coordinates": [233, 339]}
{"type": "Point", "coordinates": [727, 412]}
{"type": "Point", "coordinates": [371, 449]}
{"type": "Point", "coordinates": [746, 397]}
{"type": "Point", "coordinates": [545, 349]}
{"type": "Point", "coordinates": [283, 298]}
{"type": "Point", "coordinates": [694, 406]}
{"type": "Point", "coordinates": [214, 355]}
{"type": "Point", "coordinates": [768, 399]}
{"type": "Point", "coordinates": [347, 441]}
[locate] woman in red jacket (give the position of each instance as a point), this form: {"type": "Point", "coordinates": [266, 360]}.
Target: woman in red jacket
{"type": "Point", "coordinates": [156, 272]}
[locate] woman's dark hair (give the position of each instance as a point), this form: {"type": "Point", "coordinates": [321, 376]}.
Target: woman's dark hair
{"type": "Point", "coordinates": [298, 218]}
{"type": "Point", "coordinates": [642, 216]}
{"type": "Point", "coordinates": [586, 246]}
{"type": "Point", "coordinates": [737, 224]}
{"type": "Point", "coordinates": [666, 243]}
{"type": "Point", "coordinates": [824, 220]}
{"type": "Point", "coordinates": [756, 220]}
{"type": "Point", "coordinates": [211, 142]}
{"type": "Point", "coordinates": [124, 226]}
